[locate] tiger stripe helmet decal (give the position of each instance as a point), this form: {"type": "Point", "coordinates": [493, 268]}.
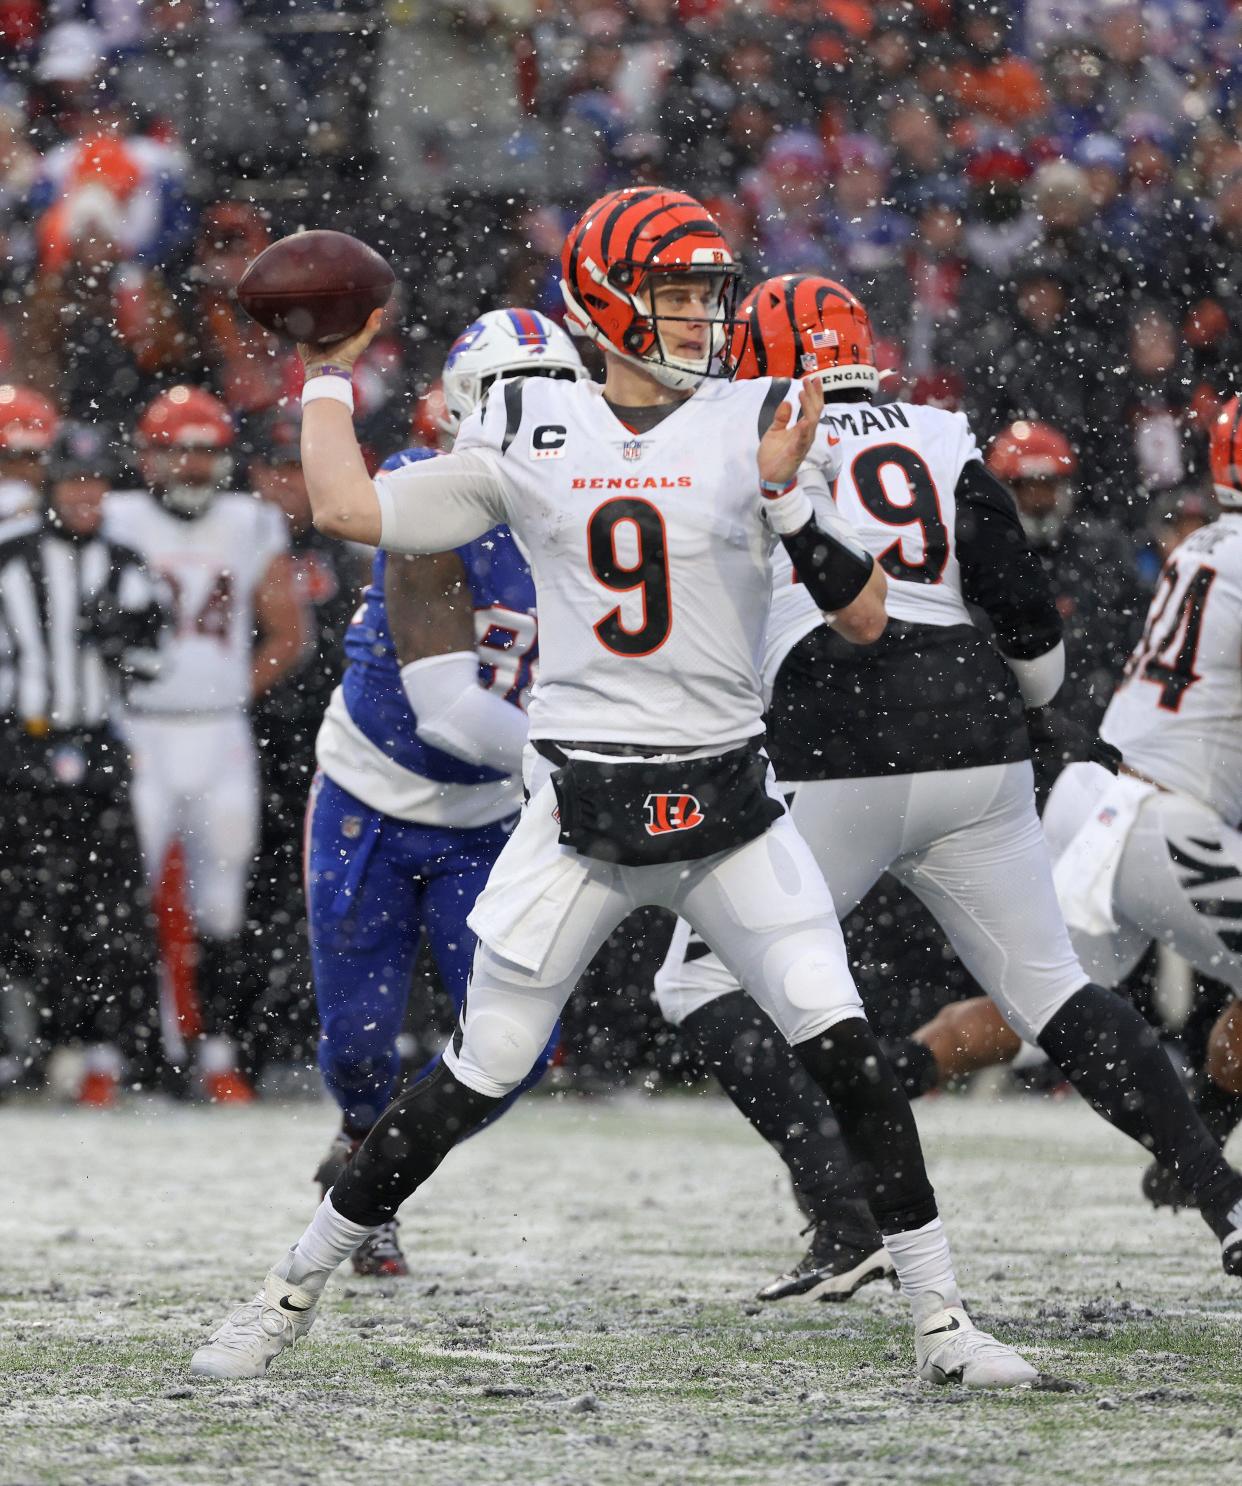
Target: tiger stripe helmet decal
{"type": "Point", "coordinates": [1225, 453]}
{"type": "Point", "coordinates": [802, 325]}
{"type": "Point", "coordinates": [610, 258]}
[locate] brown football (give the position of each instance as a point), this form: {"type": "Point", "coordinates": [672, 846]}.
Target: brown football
{"type": "Point", "coordinates": [316, 287]}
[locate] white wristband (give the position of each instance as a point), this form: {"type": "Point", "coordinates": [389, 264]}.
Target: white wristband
{"type": "Point", "coordinates": [335, 388]}
{"type": "Point", "coordinates": [790, 512]}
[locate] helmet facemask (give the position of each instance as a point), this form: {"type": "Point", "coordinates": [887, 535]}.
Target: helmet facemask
{"type": "Point", "coordinates": [1045, 504]}
{"type": "Point", "coordinates": [650, 340]}
{"type": "Point", "coordinates": [186, 491]}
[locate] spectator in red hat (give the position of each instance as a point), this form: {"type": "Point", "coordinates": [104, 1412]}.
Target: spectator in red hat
{"type": "Point", "coordinates": [999, 227]}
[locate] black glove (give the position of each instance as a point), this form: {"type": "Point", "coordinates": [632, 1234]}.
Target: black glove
{"type": "Point", "coordinates": [1060, 740]}
{"type": "Point", "coordinates": [117, 632]}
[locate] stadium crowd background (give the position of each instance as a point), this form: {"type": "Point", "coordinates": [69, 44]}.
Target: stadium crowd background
{"type": "Point", "coordinates": [1040, 203]}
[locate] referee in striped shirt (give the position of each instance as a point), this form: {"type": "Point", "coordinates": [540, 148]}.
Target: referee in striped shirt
{"type": "Point", "coordinates": [79, 617]}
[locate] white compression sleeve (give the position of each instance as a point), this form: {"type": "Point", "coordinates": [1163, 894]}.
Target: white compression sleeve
{"type": "Point", "coordinates": [438, 504]}
{"type": "Point", "coordinates": [1039, 679]}
{"type": "Point", "coordinates": [455, 713]}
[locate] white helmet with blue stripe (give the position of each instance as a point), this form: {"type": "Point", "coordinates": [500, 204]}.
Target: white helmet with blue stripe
{"type": "Point", "coordinates": [505, 343]}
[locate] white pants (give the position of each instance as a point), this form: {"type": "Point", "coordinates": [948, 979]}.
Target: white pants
{"type": "Point", "coordinates": [1179, 881]}
{"type": "Point", "coordinates": [196, 779]}
{"type": "Point", "coordinates": [546, 910]}
{"type": "Point", "coordinates": [968, 843]}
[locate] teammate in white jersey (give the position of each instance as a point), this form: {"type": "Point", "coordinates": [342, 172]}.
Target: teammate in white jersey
{"type": "Point", "coordinates": [223, 555]}
{"type": "Point", "coordinates": [649, 543]}
{"type": "Point", "coordinates": [1157, 853]}
{"type": "Point", "coordinates": [913, 757]}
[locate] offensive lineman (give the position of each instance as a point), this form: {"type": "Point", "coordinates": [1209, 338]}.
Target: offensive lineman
{"type": "Point", "coordinates": [1130, 863]}
{"type": "Point", "coordinates": [646, 779]}
{"type": "Point", "coordinates": [420, 757]}
{"type": "Point", "coordinates": [914, 757]}
{"type": "Point", "coordinates": [224, 556]}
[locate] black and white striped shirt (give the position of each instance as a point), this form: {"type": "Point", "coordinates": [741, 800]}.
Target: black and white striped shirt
{"type": "Point", "coordinates": [79, 617]}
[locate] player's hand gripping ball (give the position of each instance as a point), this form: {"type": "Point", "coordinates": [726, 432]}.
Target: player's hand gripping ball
{"type": "Point", "coordinates": [317, 288]}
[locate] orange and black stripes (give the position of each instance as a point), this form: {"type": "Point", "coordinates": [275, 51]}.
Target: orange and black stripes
{"type": "Point", "coordinates": [797, 324]}
{"type": "Point", "coordinates": [1225, 446]}
{"type": "Point", "coordinates": [620, 241]}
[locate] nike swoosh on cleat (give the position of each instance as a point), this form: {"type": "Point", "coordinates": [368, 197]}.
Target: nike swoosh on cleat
{"type": "Point", "coordinates": [285, 1306]}
{"type": "Point", "coordinates": [954, 1325]}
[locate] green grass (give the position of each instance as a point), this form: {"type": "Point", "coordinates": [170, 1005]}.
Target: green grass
{"type": "Point", "coordinates": [608, 1250]}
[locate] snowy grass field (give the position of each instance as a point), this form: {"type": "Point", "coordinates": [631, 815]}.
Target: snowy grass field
{"type": "Point", "coordinates": [581, 1310]}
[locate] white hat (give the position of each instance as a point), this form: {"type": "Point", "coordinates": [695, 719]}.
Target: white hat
{"type": "Point", "coordinates": [71, 52]}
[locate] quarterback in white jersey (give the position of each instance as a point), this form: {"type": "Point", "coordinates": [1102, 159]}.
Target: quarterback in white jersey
{"type": "Point", "coordinates": [914, 757]}
{"type": "Point", "coordinates": [647, 783]}
{"type": "Point", "coordinates": [223, 557]}
{"type": "Point", "coordinates": [1157, 852]}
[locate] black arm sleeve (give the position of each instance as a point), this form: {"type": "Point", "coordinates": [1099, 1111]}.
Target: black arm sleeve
{"type": "Point", "coordinates": [831, 573]}
{"type": "Point", "coordinates": [1000, 573]}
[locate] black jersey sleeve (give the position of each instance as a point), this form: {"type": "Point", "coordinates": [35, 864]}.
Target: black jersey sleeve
{"type": "Point", "coordinates": [1000, 572]}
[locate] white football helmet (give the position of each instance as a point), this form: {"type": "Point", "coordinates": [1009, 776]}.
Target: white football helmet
{"type": "Point", "coordinates": [504, 343]}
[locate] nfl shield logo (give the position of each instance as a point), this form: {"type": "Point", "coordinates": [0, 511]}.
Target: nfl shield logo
{"type": "Point", "coordinates": [632, 449]}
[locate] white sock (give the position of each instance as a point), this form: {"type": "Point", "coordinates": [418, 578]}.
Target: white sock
{"type": "Point", "coordinates": [329, 1241]}
{"type": "Point", "coordinates": [924, 1265]}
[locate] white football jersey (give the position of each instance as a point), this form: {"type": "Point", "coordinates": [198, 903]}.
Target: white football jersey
{"type": "Point", "coordinates": [650, 556]}
{"type": "Point", "coordinates": [1177, 714]}
{"type": "Point", "coordinates": [900, 465]}
{"type": "Point", "coordinates": [213, 565]}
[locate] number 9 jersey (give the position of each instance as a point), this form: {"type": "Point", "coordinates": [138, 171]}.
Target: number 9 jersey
{"type": "Point", "coordinates": [1177, 715]}
{"type": "Point", "coordinates": [934, 692]}
{"type": "Point", "coordinates": [650, 555]}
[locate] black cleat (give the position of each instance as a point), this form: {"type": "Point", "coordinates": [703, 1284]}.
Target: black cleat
{"type": "Point", "coordinates": [833, 1268]}
{"type": "Point", "coordinates": [340, 1154]}
{"type": "Point", "coordinates": [1161, 1189]}
{"type": "Point", "coordinates": [380, 1253]}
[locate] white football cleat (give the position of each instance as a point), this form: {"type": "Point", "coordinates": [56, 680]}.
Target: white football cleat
{"type": "Point", "coordinates": [950, 1348]}
{"type": "Point", "coordinates": [244, 1346]}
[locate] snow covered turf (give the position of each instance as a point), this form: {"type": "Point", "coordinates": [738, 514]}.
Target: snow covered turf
{"type": "Point", "coordinates": [580, 1310]}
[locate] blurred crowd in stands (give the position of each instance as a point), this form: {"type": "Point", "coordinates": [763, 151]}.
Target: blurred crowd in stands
{"type": "Point", "coordinates": [1040, 203]}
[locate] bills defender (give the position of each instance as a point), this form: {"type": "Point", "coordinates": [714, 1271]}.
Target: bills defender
{"type": "Point", "coordinates": [240, 625]}
{"type": "Point", "coordinates": [649, 507]}
{"type": "Point", "coordinates": [420, 757]}
{"type": "Point", "coordinates": [913, 756]}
